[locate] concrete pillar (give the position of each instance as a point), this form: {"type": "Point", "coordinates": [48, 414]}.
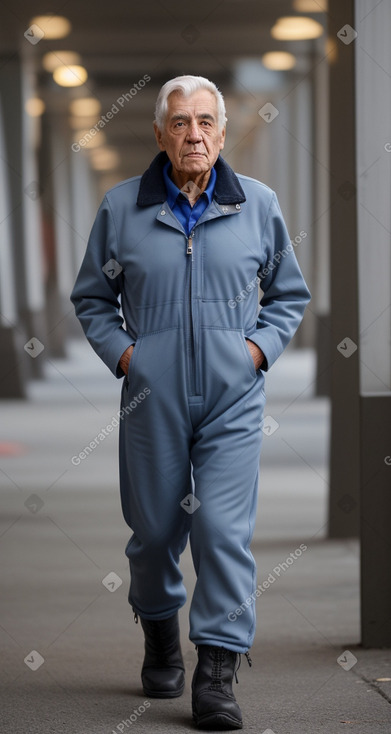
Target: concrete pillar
{"type": "Point", "coordinates": [300, 140]}
{"type": "Point", "coordinates": [373, 109]}
{"type": "Point", "coordinates": [85, 200]}
{"type": "Point", "coordinates": [344, 510]}
{"type": "Point", "coordinates": [320, 230]}
{"type": "Point", "coordinates": [33, 312]}
{"type": "Point", "coordinates": [20, 135]}
{"type": "Point", "coordinates": [11, 382]}
{"type": "Point", "coordinates": [63, 228]}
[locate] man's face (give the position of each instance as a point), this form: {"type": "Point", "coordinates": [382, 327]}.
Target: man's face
{"type": "Point", "coordinates": [191, 137]}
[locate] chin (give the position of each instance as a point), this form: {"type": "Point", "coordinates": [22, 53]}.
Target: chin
{"type": "Point", "coordinates": [196, 166]}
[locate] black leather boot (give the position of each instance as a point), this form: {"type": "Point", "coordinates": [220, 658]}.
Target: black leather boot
{"type": "Point", "coordinates": [214, 704]}
{"type": "Point", "coordinates": [162, 674]}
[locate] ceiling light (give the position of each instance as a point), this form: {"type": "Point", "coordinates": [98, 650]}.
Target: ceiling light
{"type": "Point", "coordinates": [85, 122]}
{"type": "Point", "coordinates": [85, 106]}
{"type": "Point", "coordinates": [104, 159]}
{"type": "Point", "coordinates": [278, 60]}
{"type": "Point", "coordinates": [293, 28]}
{"type": "Point", "coordinates": [35, 107]}
{"type": "Point", "coordinates": [53, 26]}
{"type": "Point", "coordinates": [88, 140]}
{"type": "Point", "coordinates": [70, 76]}
{"type": "Point", "coordinates": [54, 59]}
{"type": "Point", "coordinates": [310, 6]}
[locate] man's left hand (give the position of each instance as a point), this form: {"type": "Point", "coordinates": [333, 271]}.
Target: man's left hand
{"type": "Point", "coordinates": [256, 353]}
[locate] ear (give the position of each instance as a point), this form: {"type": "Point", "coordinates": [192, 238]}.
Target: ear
{"type": "Point", "coordinates": [159, 137]}
{"type": "Point", "coordinates": [222, 139]}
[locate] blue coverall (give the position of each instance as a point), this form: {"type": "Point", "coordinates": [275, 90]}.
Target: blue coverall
{"type": "Point", "coordinates": [192, 402]}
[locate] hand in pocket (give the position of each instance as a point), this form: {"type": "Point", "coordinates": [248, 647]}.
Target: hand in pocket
{"type": "Point", "coordinates": [125, 359]}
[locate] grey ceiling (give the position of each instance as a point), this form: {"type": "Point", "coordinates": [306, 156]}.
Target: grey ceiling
{"type": "Point", "coordinates": [121, 41]}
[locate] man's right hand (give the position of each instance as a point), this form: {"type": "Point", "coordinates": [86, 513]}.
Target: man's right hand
{"type": "Point", "coordinates": [125, 359]}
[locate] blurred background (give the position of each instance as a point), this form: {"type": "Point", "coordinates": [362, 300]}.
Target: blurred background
{"type": "Point", "coordinates": [308, 97]}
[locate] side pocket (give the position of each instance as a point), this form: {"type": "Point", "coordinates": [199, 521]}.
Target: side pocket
{"type": "Point", "coordinates": [131, 367]}
{"type": "Point", "coordinates": [248, 355]}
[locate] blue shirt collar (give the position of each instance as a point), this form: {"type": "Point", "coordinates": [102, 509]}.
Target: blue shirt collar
{"type": "Point", "coordinates": [172, 189]}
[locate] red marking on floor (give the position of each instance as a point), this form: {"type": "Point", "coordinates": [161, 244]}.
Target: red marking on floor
{"type": "Point", "coordinates": [8, 448]}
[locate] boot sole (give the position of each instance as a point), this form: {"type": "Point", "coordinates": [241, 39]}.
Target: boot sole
{"type": "Point", "coordinates": [164, 694]}
{"type": "Point", "coordinates": [217, 722]}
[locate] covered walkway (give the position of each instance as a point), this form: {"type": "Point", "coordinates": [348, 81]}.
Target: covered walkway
{"type": "Point", "coordinates": [63, 534]}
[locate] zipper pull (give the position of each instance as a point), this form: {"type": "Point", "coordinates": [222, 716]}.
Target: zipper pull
{"type": "Point", "coordinates": [238, 660]}
{"type": "Point", "coordinates": [189, 250]}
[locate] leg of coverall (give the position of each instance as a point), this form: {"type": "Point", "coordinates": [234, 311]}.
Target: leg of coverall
{"type": "Point", "coordinates": [155, 476]}
{"type": "Point", "coordinates": [225, 459]}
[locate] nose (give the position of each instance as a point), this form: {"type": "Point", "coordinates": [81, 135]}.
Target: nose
{"type": "Point", "coordinates": [194, 133]}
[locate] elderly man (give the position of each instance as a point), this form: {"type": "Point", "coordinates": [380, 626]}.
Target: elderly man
{"type": "Point", "coordinates": [184, 247]}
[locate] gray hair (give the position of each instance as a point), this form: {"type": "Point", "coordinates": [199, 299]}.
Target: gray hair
{"type": "Point", "coordinates": [187, 85]}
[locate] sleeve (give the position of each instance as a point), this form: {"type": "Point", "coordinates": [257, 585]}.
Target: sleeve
{"type": "Point", "coordinates": [285, 293]}
{"type": "Point", "coordinates": [95, 295]}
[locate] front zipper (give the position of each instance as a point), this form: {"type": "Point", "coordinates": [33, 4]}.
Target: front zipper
{"type": "Point", "coordinates": [190, 350]}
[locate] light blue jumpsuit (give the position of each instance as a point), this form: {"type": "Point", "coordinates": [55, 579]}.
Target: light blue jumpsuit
{"type": "Point", "coordinates": [192, 401]}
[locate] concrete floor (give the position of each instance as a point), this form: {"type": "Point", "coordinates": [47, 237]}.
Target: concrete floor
{"type": "Point", "coordinates": [62, 533]}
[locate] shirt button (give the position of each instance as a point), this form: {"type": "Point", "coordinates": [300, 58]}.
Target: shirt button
{"type": "Point", "coordinates": [238, 207]}
{"type": "Point", "coordinates": [163, 211]}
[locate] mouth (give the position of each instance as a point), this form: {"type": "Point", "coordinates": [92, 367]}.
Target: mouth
{"type": "Point", "coordinates": [194, 155]}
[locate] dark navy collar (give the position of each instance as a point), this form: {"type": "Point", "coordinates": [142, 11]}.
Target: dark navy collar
{"type": "Point", "coordinates": [153, 189]}
{"type": "Point", "coordinates": [172, 189]}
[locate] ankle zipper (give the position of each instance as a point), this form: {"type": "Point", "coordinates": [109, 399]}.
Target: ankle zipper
{"type": "Point", "coordinates": [248, 658]}
{"type": "Point", "coordinates": [236, 669]}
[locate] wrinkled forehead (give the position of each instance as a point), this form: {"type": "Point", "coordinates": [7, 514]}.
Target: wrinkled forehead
{"type": "Point", "coordinates": [201, 101]}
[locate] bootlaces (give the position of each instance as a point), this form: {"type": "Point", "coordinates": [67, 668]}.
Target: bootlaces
{"type": "Point", "coordinates": [218, 658]}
